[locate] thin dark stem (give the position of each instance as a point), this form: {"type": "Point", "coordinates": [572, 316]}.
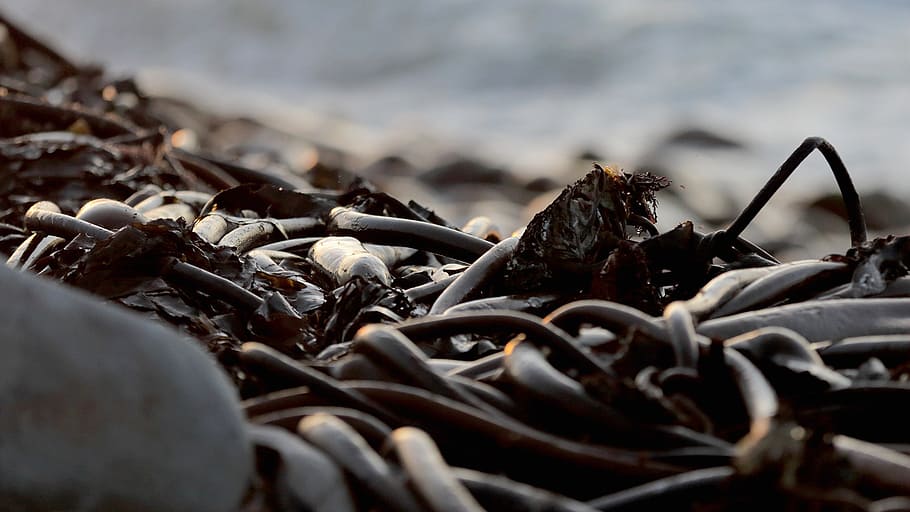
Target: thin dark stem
{"type": "Point", "coordinates": [855, 216]}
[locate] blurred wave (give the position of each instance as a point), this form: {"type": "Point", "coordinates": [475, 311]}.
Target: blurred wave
{"type": "Point", "coordinates": [530, 81]}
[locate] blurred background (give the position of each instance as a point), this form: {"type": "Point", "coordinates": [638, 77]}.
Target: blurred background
{"type": "Point", "coordinates": [715, 93]}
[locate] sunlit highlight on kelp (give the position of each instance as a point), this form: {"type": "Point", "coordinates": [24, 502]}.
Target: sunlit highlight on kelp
{"type": "Point", "coordinates": [588, 361]}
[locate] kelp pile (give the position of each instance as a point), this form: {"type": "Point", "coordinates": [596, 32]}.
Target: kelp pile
{"type": "Point", "coordinates": [588, 362]}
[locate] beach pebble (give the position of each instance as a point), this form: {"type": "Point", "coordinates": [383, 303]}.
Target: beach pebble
{"type": "Point", "coordinates": [103, 410]}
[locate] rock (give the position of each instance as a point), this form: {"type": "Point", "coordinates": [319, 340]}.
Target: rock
{"type": "Point", "coordinates": [542, 184]}
{"type": "Point", "coordinates": [883, 210]}
{"type": "Point", "coordinates": [466, 171]}
{"type": "Point", "coordinates": [702, 138]}
{"type": "Point", "coordinates": [101, 409]}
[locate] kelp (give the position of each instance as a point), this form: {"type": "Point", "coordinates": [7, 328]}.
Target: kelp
{"type": "Point", "coordinates": [571, 239]}
{"type": "Point", "coordinates": [591, 362]}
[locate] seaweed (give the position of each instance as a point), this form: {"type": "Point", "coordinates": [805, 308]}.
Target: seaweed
{"type": "Point", "coordinates": [570, 240]}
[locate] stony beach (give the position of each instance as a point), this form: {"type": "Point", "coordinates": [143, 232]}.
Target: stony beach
{"type": "Point", "coordinates": [209, 313]}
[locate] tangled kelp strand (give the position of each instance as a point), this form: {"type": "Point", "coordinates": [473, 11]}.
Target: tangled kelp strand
{"type": "Point", "coordinates": [302, 475]}
{"type": "Point", "coordinates": [369, 470]}
{"type": "Point", "coordinates": [407, 233]}
{"type": "Point", "coordinates": [819, 320]}
{"type": "Point", "coordinates": [431, 477]}
{"type": "Point", "coordinates": [787, 281]}
{"type": "Point", "coordinates": [589, 360]}
{"type": "Point", "coordinates": [475, 276]}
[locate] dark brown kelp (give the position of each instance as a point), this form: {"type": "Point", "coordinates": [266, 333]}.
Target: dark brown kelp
{"type": "Point", "coordinates": [589, 362]}
{"type": "Point", "coordinates": [574, 235]}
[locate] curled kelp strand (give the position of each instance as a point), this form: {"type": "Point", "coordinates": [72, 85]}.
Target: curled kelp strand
{"type": "Point", "coordinates": [26, 248]}
{"type": "Point", "coordinates": [194, 198]}
{"type": "Point", "coordinates": [487, 393]}
{"type": "Point", "coordinates": [371, 429]}
{"type": "Point", "coordinates": [530, 372]}
{"type": "Point", "coordinates": [721, 289]}
{"type": "Point", "coordinates": [642, 223]}
{"type": "Point", "coordinates": [277, 401]}
{"type": "Point", "coordinates": [681, 329]}
{"type": "Point", "coordinates": [276, 255]}
{"type": "Point", "coordinates": [214, 285]}
{"type": "Point", "coordinates": [350, 451]}
{"type": "Point", "coordinates": [506, 321]}
{"type": "Point", "coordinates": [293, 245]}
{"type": "Point", "coordinates": [671, 488]}
{"type": "Point", "coordinates": [819, 320]}
{"type": "Point", "coordinates": [770, 342]}
{"type": "Point", "coordinates": [782, 282]}
{"type": "Point", "coordinates": [356, 366]}
{"type": "Point", "coordinates": [757, 394]}
{"type": "Point", "coordinates": [145, 192]}
{"type": "Point", "coordinates": [397, 353]}
{"type": "Point", "coordinates": [254, 232]}
{"type": "Point", "coordinates": [609, 315]}
{"type": "Point", "coordinates": [496, 492]}
{"type": "Point", "coordinates": [884, 468]}
{"type": "Point", "coordinates": [257, 355]}
{"type": "Point", "coordinates": [479, 368]}
{"type": "Point", "coordinates": [509, 435]}
{"type": "Point", "coordinates": [304, 477]}
{"type": "Point", "coordinates": [523, 303]}
{"type": "Point", "coordinates": [851, 352]}
{"type": "Point", "coordinates": [405, 232]}
{"type": "Point", "coordinates": [444, 365]}
{"type": "Point", "coordinates": [476, 276]}
{"type": "Point", "coordinates": [787, 360]}
{"type": "Point", "coordinates": [429, 474]}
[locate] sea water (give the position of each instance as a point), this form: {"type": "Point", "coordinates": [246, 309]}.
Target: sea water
{"type": "Point", "coordinates": [527, 82]}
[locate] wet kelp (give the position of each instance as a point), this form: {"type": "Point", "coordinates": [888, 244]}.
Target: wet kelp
{"type": "Point", "coordinates": [587, 362]}
{"type": "Point", "coordinates": [573, 237]}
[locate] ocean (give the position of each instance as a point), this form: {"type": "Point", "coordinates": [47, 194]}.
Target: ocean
{"type": "Point", "coordinates": [529, 83]}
